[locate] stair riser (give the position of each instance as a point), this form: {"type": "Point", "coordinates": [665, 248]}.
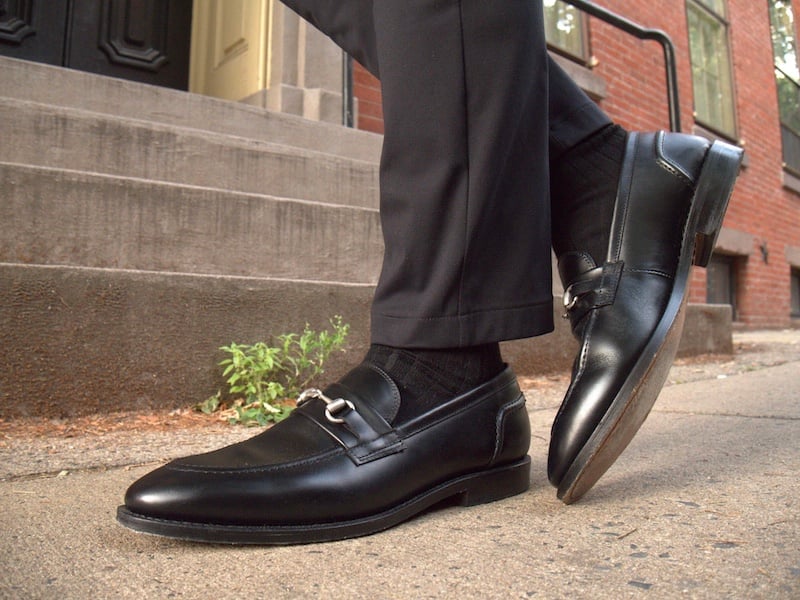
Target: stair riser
{"type": "Point", "coordinates": [55, 217]}
{"type": "Point", "coordinates": [87, 341]}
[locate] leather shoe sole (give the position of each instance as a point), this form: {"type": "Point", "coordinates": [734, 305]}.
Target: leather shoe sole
{"type": "Point", "coordinates": [468, 490]}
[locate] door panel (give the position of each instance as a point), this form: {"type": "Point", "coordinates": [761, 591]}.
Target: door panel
{"type": "Point", "coordinates": [141, 40]}
{"type": "Point", "coordinates": [33, 29]}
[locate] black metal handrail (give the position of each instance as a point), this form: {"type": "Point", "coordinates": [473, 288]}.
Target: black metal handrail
{"type": "Point", "coordinates": [643, 33]}
{"type": "Point", "coordinates": [605, 15]}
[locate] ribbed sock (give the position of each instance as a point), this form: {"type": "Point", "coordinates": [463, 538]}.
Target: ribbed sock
{"type": "Point", "coordinates": [427, 378]}
{"type": "Point", "coordinates": [583, 189]}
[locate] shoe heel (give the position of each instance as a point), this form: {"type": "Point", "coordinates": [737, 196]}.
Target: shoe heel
{"type": "Point", "coordinates": [497, 484]}
{"type": "Point", "coordinates": [714, 189]}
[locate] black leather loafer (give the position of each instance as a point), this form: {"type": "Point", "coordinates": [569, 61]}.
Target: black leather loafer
{"type": "Point", "coordinates": [339, 467]}
{"type": "Point", "coordinates": [628, 313]}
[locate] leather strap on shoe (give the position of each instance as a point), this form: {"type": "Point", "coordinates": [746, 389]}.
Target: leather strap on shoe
{"type": "Point", "coordinates": [353, 422]}
{"type": "Point", "coordinates": [594, 289]}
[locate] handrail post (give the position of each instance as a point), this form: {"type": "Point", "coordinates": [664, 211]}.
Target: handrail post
{"type": "Point", "coordinates": [348, 118]}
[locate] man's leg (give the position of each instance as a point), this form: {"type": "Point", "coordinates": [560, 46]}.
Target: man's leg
{"type": "Point", "coordinates": [463, 173]}
{"type": "Point", "coordinates": [464, 176]}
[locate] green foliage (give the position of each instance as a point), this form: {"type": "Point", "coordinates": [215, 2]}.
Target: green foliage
{"type": "Point", "coordinates": [263, 380]}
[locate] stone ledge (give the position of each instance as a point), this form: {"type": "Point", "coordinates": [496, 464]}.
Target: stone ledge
{"type": "Point", "coordinates": [77, 341]}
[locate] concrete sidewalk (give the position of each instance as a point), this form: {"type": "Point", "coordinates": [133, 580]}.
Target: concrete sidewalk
{"type": "Point", "coordinates": [703, 504]}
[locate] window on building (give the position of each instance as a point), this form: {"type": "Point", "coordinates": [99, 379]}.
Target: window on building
{"type": "Point", "coordinates": [795, 296]}
{"type": "Point", "coordinates": [709, 47]}
{"type": "Point", "coordinates": [565, 29]}
{"type": "Point", "coordinates": [787, 79]}
{"type": "Point", "coordinates": [721, 281]}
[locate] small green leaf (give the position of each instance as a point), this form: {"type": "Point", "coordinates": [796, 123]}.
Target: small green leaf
{"type": "Point", "coordinates": [210, 404]}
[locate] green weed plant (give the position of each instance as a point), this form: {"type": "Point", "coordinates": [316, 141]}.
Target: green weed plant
{"type": "Point", "coordinates": [263, 380]}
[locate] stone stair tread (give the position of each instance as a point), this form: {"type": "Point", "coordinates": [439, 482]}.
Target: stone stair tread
{"type": "Point", "coordinates": [240, 138]}
{"type": "Point", "coordinates": [77, 139]}
{"type": "Point", "coordinates": [68, 88]}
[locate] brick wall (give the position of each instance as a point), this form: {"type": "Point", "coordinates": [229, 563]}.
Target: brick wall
{"type": "Point", "coordinates": [761, 205]}
{"type": "Point", "coordinates": [634, 74]}
{"type": "Point", "coordinates": [367, 90]}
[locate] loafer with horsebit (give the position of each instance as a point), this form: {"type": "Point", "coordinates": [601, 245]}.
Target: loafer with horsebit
{"type": "Point", "coordinates": [628, 313]}
{"type": "Point", "coordinates": [340, 466]}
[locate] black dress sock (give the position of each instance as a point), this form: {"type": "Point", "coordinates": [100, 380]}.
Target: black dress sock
{"type": "Point", "coordinates": [583, 190]}
{"type": "Point", "coordinates": [427, 378]}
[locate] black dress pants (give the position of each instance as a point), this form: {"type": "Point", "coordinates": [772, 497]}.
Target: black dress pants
{"type": "Point", "coordinates": [472, 109]}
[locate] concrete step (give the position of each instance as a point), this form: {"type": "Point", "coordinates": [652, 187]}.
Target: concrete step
{"type": "Point", "coordinates": [78, 140]}
{"type": "Point", "coordinates": [56, 86]}
{"type": "Point", "coordinates": [79, 340]}
{"type": "Point", "coordinates": [63, 217]}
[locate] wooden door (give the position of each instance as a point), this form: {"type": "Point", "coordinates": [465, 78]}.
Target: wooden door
{"type": "Point", "coordinates": [141, 40]}
{"type": "Point", "coordinates": [230, 48]}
